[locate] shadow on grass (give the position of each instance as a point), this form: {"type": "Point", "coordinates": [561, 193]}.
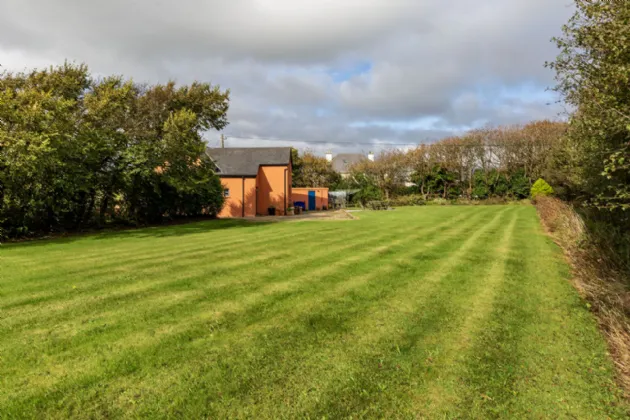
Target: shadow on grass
{"type": "Point", "coordinates": [174, 229]}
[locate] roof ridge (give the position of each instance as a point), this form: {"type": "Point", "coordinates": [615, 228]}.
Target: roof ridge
{"type": "Point", "coordinates": [245, 161]}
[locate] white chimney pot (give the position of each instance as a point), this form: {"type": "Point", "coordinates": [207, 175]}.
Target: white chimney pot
{"type": "Point", "coordinates": [329, 157]}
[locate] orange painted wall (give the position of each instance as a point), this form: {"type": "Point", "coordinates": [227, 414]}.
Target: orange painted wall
{"type": "Point", "coordinates": [321, 196]}
{"type": "Point", "coordinates": [233, 206]}
{"type": "Point", "coordinates": [250, 197]}
{"type": "Point", "coordinates": [268, 188]}
{"type": "Point", "coordinates": [272, 188]}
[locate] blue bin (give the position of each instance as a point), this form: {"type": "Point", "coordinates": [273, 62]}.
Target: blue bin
{"type": "Point", "coordinates": [300, 204]}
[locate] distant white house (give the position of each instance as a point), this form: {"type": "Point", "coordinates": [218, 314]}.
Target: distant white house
{"type": "Point", "coordinates": [344, 161]}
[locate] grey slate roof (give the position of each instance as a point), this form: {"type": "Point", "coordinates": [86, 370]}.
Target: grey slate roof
{"type": "Point", "coordinates": [244, 161]}
{"type": "Point", "coordinates": [343, 161]}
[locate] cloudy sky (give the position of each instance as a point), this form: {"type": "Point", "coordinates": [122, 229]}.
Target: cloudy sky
{"type": "Point", "coordinates": [356, 73]}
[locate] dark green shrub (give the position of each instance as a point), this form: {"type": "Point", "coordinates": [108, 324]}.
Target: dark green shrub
{"type": "Point", "coordinates": [498, 183]}
{"type": "Point", "coordinates": [402, 191]}
{"type": "Point", "coordinates": [480, 189]}
{"type": "Point", "coordinates": [438, 202]}
{"type": "Point", "coordinates": [519, 185]}
{"type": "Point", "coordinates": [408, 200]}
{"type": "Point", "coordinates": [454, 191]}
{"type": "Point", "coordinates": [378, 205]}
{"type": "Point", "coordinates": [367, 193]}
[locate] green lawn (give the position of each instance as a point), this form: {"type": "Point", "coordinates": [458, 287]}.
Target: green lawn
{"type": "Point", "coordinates": [433, 312]}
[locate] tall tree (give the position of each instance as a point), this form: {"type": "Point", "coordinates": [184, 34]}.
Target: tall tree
{"type": "Point", "coordinates": [76, 150]}
{"type": "Point", "coordinates": [310, 170]}
{"type": "Point", "coordinates": [41, 168]}
{"type": "Point", "coordinates": [388, 171]}
{"type": "Point", "coordinates": [593, 74]}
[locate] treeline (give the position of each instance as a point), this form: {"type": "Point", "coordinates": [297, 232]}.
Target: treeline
{"type": "Point", "coordinates": [310, 170]}
{"type": "Point", "coordinates": [593, 75]}
{"type": "Point", "coordinates": [79, 151]}
{"type": "Point", "coordinates": [494, 162]}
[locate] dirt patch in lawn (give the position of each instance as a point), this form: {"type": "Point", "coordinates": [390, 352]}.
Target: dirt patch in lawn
{"type": "Point", "coordinates": [315, 215]}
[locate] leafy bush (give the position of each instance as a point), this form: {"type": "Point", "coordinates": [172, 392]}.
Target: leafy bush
{"type": "Point", "coordinates": [519, 185]}
{"type": "Point", "coordinates": [498, 183]}
{"type": "Point", "coordinates": [401, 191]}
{"type": "Point", "coordinates": [408, 200]}
{"type": "Point", "coordinates": [366, 194]}
{"type": "Point", "coordinates": [541, 188]}
{"type": "Point", "coordinates": [480, 187]}
{"type": "Point", "coordinates": [378, 205]}
{"type": "Point", "coordinates": [488, 201]}
{"type": "Point", "coordinates": [438, 202]}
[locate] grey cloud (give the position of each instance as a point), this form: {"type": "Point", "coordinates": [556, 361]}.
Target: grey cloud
{"type": "Point", "coordinates": [280, 30]}
{"type": "Point", "coordinates": [446, 59]}
{"type": "Point", "coordinates": [421, 73]}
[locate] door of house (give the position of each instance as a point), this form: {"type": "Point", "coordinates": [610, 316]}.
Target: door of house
{"type": "Point", "coordinates": [311, 200]}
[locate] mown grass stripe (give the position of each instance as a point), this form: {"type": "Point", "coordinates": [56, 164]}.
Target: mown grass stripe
{"type": "Point", "coordinates": [226, 291]}
{"type": "Point", "coordinates": [523, 347]}
{"type": "Point", "coordinates": [287, 341]}
{"type": "Point", "coordinates": [377, 239]}
{"type": "Point", "coordinates": [124, 246]}
{"type": "Point", "coordinates": [132, 261]}
{"type": "Point", "coordinates": [441, 389]}
{"type": "Point", "coordinates": [85, 268]}
{"type": "Point", "coordinates": [329, 304]}
{"type": "Point", "coordinates": [225, 268]}
{"type": "Point", "coordinates": [127, 267]}
{"type": "Point", "coordinates": [255, 314]}
{"type": "Point", "coordinates": [358, 238]}
{"type": "Point", "coordinates": [112, 263]}
{"type": "Point", "coordinates": [353, 386]}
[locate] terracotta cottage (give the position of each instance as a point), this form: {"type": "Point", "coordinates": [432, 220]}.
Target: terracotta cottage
{"type": "Point", "coordinates": [254, 179]}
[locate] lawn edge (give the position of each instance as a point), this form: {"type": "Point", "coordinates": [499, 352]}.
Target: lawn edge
{"type": "Point", "coordinates": [604, 293]}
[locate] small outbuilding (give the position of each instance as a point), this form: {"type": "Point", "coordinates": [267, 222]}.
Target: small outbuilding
{"type": "Point", "coordinates": [313, 198]}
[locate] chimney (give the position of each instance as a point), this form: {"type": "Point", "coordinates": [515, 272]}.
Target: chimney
{"type": "Point", "coordinates": [371, 156]}
{"type": "Point", "coordinates": [328, 157]}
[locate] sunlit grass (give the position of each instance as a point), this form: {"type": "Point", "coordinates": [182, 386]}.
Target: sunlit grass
{"type": "Point", "coordinates": [419, 312]}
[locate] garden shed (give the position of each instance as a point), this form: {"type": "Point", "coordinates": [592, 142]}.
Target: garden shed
{"type": "Point", "coordinates": [312, 198]}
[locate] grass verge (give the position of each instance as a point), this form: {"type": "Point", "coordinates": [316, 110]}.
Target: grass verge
{"type": "Point", "coordinates": [597, 278]}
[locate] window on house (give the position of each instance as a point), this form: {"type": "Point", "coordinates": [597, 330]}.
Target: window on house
{"type": "Point", "coordinates": [226, 192]}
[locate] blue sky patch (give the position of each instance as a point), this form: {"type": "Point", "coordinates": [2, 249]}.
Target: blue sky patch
{"type": "Point", "coordinates": [340, 75]}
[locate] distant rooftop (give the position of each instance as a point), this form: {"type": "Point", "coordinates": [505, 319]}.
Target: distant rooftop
{"type": "Point", "coordinates": [343, 161]}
